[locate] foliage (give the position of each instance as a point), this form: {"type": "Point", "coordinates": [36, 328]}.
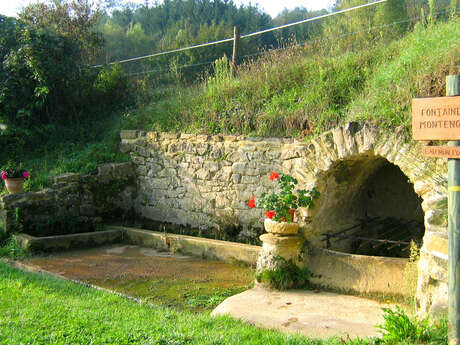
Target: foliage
{"type": "Point", "coordinates": [131, 31]}
{"type": "Point", "coordinates": [72, 19]}
{"type": "Point", "coordinates": [42, 86]}
{"type": "Point", "coordinates": [62, 224]}
{"type": "Point", "coordinates": [287, 276]}
{"type": "Point", "coordinates": [79, 149]}
{"type": "Point", "coordinates": [212, 301]}
{"type": "Point", "coordinates": [279, 205]}
{"type": "Point", "coordinates": [112, 87]}
{"type": "Point", "coordinates": [11, 249]}
{"type": "Point", "coordinates": [399, 327]}
{"type": "Point", "coordinates": [13, 170]}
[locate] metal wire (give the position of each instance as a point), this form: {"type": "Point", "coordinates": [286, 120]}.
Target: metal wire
{"type": "Point", "coordinates": [244, 36]}
{"type": "Point", "coordinates": [313, 19]}
{"type": "Point", "coordinates": [301, 44]}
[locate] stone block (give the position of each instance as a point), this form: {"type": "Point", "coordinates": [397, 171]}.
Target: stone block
{"type": "Point", "coordinates": [224, 174]}
{"type": "Point", "coordinates": [169, 136]}
{"type": "Point", "coordinates": [152, 136]}
{"type": "Point", "coordinates": [203, 174]}
{"type": "Point", "coordinates": [249, 179]}
{"type": "Point", "coordinates": [66, 178]}
{"type": "Point", "coordinates": [128, 134]}
{"type": "Point", "coordinates": [436, 242]}
{"type": "Point", "coordinates": [230, 138]}
{"type": "Point", "coordinates": [211, 166]}
{"type": "Point", "coordinates": [273, 155]}
{"type": "Point", "coordinates": [236, 178]}
{"type": "Point", "coordinates": [236, 156]}
{"type": "Point", "coordinates": [239, 168]}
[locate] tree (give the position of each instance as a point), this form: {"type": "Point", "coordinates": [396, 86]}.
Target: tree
{"type": "Point", "coordinates": [74, 19]}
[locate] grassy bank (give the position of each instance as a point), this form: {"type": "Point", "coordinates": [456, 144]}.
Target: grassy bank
{"type": "Point", "coordinates": [37, 309]}
{"type": "Point", "coordinates": [307, 90]}
{"type": "Point", "coordinates": [80, 148]}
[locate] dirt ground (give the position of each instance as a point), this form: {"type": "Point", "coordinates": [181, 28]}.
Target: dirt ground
{"type": "Point", "coordinates": [159, 277]}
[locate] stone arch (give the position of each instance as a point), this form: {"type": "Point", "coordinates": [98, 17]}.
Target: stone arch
{"type": "Point", "coordinates": [370, 147]}
{"type": "Point", "coordinates": [369, 194]}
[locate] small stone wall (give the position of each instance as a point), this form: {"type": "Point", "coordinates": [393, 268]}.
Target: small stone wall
{"type": "Point", "coordinates": [230, 252]}
{"type": "Point", "coordinates": [361, 273]}
{"type": "Point", "coordinates": [104, 195]}
{"type": "Point", "coordinates": [206, 181]}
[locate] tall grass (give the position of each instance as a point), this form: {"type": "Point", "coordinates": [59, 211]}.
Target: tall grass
{"type": "Point", "coordinates": [80, 148]}
{"type": "Point", "coordinates": [307, 90]}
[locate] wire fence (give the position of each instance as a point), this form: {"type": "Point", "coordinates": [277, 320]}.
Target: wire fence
{"type": "Point", "coordinates": [232, 39]}
{"type": "Point", "coordinates": [331, 38]}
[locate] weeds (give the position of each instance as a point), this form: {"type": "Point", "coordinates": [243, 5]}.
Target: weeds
{"type": "Point", "coordinates": [399, 328]}
{"type": "Point", "coordinates": [288, 275]}
{"type": "Point", "coordinates": [12, 250]}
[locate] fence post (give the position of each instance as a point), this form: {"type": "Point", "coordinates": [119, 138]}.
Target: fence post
{"type": "Point", "coordinates": [453, 89]}
{"type": "Point", "coordinates": [236, 46]}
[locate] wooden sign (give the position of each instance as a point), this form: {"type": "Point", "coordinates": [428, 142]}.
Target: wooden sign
{"type": "Point", "coordinates": [441, 151]}
{"type": "Point", "coordinates": [436, 118]}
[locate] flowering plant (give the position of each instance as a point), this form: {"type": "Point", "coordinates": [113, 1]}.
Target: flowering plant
{"type": "Point", "coordinates": [281, 206]}
{"type": "Point", "coordinates": [14, 171]}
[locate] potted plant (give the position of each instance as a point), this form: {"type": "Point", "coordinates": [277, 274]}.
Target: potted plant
{"type": "Point", "coordinates": [14, 176]}
{"type": "Point", "coordinates": [281, 205]}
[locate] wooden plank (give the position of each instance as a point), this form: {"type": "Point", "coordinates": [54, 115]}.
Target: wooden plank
{"type": "Point", "coordinates": [436, 118]}
{"type": "Point", "coordinates": [441, 151]}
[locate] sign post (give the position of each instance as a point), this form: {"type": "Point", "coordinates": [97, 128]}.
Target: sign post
{"type": "Point", "coordinates": [453, 89]}
{"type": "Point", "coordinates": [439, 119]}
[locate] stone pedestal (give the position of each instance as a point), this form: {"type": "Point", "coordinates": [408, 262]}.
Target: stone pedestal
{"type": "Point", "coordinates": [278, 249]}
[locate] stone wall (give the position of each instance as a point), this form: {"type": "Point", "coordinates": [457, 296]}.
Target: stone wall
{"type": "Point", "coordinates": [206, 181]}
{"type": "Point", "coordinates": [108, 193]}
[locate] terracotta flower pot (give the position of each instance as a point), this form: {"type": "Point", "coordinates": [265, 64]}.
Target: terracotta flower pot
{"type": "Point", "coordinates": [281, 228]}
{"type": "Point", "coordinates": [14, 185]}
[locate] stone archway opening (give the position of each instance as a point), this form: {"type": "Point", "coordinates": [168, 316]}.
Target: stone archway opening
{"type": "Point", "coordinates": [368, 206]}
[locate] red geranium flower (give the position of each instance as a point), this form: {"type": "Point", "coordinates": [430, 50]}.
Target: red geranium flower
{"type": "Point", "coordinates": [4, 173]}
{"type": "Point", "coordinates": [25, 174]}
{"type": "Point", "coordinates": [270, 214]}
{"type": "Point", "coordinates": [274, 175]}
{"type": "Point", "coordinates": [252, 202]}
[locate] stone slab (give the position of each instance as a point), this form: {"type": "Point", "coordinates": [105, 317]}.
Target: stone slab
{"type": "Point", "coordinates": [317, 315]}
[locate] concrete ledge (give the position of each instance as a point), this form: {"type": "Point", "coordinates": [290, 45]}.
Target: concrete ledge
{"type": "Point", "coordinates": [358, 273]}
{"type": "Point", "coordinates": [197, 246]}
{"type": "Point", "coordinates": [230, 252]}
{"type": "Point", "coordinates": [66, 242]}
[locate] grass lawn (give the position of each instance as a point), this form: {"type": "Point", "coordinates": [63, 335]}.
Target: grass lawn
{"type": "Point", "coordinates": [40, 309]}
{"type": "Point", "coordinates": [37, 309]}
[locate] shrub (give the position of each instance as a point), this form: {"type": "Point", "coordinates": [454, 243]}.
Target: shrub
{"type": "Point", "coordinates": [400, 328]}
{"type": "Point", "coordinates": [288, 275]}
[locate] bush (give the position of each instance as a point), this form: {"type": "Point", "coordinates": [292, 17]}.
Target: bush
{"type": "Point", "coordinates": [10, 249]}
{"type": "Point", "coordinates": [400, 328]}
{"type": "Point", "coordinates": [286, 276]}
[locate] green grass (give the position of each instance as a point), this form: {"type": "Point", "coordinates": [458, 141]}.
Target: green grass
{"type": "Point", "coordinates": [81, 149]}
{"type": "Point", "coordinates": [37, 309]}
{"type": "Point", "coordinates": [308, 90]}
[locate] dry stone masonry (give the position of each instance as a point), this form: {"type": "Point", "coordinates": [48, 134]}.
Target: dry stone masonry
{"type": "Point", "coordinates": [106, 194]}
{"type": "Point", "coordinates": [206, 181]}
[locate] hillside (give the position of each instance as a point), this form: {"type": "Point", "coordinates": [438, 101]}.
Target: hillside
{"type": "Point", "coordinates": [301, 91]}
